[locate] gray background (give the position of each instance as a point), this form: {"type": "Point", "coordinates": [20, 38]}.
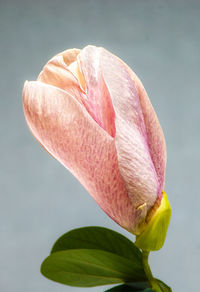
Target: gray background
{"type": "Point", "coordinates": [40, 199]}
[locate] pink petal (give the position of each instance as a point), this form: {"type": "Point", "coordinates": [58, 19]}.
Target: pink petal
{"type": "Point", "coordinates": [156, 139]}
{"type": "Point", "coordinates": [66, 130]}
{"type": "Point", "coordinates": [98, 98]}
{"type": "Point", "coordinates": [134, 159]}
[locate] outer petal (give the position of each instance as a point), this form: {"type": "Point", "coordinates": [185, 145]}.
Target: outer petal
{"type": "Point", "coordinates": [67, 131]}
{"type": "Point", "coordinates": [156, 139]}
{"type": "Point", "coordinates": [134, 159]}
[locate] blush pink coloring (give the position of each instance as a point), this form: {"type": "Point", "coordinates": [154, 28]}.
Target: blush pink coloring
{"type": "Point", "coordinates": [90, 111]}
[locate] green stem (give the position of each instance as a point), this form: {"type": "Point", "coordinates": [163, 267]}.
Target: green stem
{"type": "Point", "coordinates": [153, 283]}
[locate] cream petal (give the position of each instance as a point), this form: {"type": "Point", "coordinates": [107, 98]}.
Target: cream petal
{"type": "Point", "coordinates": [66, 130]}
{"type": "Point", "coordinates": [69, 56]}
{"type": "Point", "coordinates": [57, 73]}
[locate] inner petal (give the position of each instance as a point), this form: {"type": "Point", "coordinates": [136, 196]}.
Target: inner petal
{"type": "Point", "coordinates": [74, 68]}
{"type": "Point", "coordinates": [56, 73]}
{"type": "Point", "coordinates": [98, 98]}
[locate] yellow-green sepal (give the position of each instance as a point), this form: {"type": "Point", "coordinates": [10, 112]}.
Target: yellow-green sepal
{"type": "Point", "coordinates": [154, 234]}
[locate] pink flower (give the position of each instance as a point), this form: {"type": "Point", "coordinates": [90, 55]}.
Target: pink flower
{"type": "Point", "coordinates": [90, 111]}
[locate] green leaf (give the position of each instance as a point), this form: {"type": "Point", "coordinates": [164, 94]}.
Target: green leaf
{"type": "Point", "coordinates": [89, 268]}
{"type": "Point", "coordinates": [98, 238]}
{"type": "Point", "coordinates": [125, 288]}
{"type": "Point", "coordinates": [139, 287]}
{"type": "Point", "coordinates": [163, 286]}
{"type": "Point", "coordinates": [130, 287]}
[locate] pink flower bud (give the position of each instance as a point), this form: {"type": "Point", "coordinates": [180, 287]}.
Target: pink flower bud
{"type": "Point", "coordinates": [90, 111]}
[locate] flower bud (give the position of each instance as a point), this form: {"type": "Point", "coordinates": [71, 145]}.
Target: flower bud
{"type": "Point", "coordinates": [90, 111]}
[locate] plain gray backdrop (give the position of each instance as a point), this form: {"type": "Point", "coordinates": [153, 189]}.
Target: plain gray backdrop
{"type": "Point", "coordinates": [40, 199]}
